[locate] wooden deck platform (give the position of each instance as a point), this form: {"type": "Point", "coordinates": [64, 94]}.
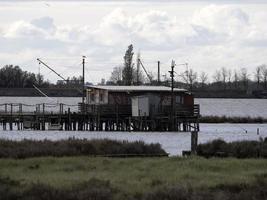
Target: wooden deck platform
{"type": "Point", "coordinates": [84, 117]}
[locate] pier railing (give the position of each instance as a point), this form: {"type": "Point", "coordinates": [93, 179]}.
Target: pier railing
{"type": "Point", "coordinates": [22, 109]}
{"type": "Point", "coordinates": [95, 117]}
{"type": "Point", "coordinates": [180, 110]}
{"type": "Point", "coordinates": [105, 109]}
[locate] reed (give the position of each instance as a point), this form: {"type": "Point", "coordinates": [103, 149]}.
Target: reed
{"type": "Point", "coordinates": [238, 149]}
{"type": "Point", "coordinates": [77, 147]}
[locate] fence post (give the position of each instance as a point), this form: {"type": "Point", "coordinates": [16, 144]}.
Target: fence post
{"type": "Point", "coordinates": [194, 141]}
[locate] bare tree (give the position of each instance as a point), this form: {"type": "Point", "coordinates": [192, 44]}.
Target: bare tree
{"type": "Point", "coordinates": [203, 79]}
{"type": "Point", "coordinates": [258, 75]}
{"type": "Point", "coordinates": [192, 78]}
{"type": "Point", "coordinates": [189, 77]}
{"type": "Point", "coordinates": [184, 76]}
{"type": "Point", "coordinates": [217, 77]}
{"type": "Point", "coordinates": [229, 75]}
{"type": "Point", "coordinates": [244, 77]}
{"type": "Point", "coordinates": [236, 79]}
{"type": "Point", "coordinates": [116, 75]}
{"type": "Point", "coordinates": [224, 76]}
{"type": "Point", "coordinates": [264, 75]}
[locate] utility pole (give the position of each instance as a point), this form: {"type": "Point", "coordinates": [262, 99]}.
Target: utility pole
{"type": "Point", "coordinates": [172, 94]}
{"type": "Point", "coordinates": [39, 75]}
{"type": "Point", "coordinates": [138, 68]}
{"type": "Point", "coordinates": [83, 82]}
{"type": "Point", "coordinates": [187, 75]}
{"type": "Point", "coordinates": [158, 72]}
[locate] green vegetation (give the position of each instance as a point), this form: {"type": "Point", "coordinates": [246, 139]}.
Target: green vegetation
{"type": "Point", "coordinates": [133, 178]}
{"type": "Point", "coordinates": [239, 149]}
{"type": "Point", "coordinates": [225, 119]}
{"type": "Point", "coordinates": [77, 147]}
{"type": "Point", "coordinates": [58, 175]}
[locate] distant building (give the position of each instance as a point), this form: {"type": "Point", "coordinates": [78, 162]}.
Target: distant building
{"type": "Point", "coordinates": [152, 103]}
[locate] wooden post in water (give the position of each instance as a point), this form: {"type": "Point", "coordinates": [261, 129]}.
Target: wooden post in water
{"type": "Point", "coordinates": [19, 118]}
{"type": "Point", "coordinates": [43, 121]}
{"type": "Point", "coordinates": [194, 140]}
{"type": "Point", "coordinates": [69, 120]}
{"type": "Point", "coordinates": [11, 120]}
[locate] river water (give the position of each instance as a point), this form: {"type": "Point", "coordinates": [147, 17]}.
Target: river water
{"type": "Point", "coordinates": [208, 106]}
{"type": "Point", "coordinates": [172, 142]}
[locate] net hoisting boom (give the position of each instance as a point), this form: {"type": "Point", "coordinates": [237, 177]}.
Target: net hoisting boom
{"type": "Point", "coordinates": [41, 62]}
{"type": "Point", "coordinates": [81, 91]}
{"type": "Point", "coordinates": [149, 77]}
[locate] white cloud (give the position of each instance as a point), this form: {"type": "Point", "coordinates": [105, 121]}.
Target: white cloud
{"type": "Point", "coordinates": [23, 29]}
{"type": "Point", "coordinates": [213, 36]}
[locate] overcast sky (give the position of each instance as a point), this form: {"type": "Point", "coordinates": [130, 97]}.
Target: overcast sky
{"type": "Point", "coordinates": [206, 34]}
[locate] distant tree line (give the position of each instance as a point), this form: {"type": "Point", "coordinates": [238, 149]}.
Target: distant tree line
{"type": "Point", "coordinates": [14, 77]}
{"type": "Point", "coordinates": [226, 79]}
{"type": "Point", "coordinates": [131, 73]}
{"type": "Point", "coordinates": [223, 79]}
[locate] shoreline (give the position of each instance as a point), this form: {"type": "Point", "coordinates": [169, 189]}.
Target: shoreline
{"type": "Point", "coordinates": [73, 92]}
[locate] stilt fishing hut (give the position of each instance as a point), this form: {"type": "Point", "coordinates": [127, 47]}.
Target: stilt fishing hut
{"type": "Point", "coordinates": [141, 108]}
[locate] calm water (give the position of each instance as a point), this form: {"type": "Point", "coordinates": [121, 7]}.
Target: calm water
{"type": "Point", "coordinates": [173, 143]}
{"type": "Point", "coordinates": [233, 107]}
{"type": "Point", "coordinates": [211, 106]}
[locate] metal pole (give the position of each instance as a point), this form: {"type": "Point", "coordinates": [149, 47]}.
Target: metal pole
{"type": "Point", "coordinates": [158, 72]}
{"type": "Point", "coordinates": [187, 75]}
{"type": "Point", "coordinates": [138, 69]}
{"type": "Point", "coordinates": [83, 88]}
{"type": "Point", "coordinates": [172, 94]}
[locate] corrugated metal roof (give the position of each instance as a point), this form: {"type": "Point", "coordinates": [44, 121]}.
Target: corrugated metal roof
{"type": "Point", "coordinates": [135, 88]}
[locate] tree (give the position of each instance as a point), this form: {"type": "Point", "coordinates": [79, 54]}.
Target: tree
{"type": "Point", "coordinates": [244, 77]}
{"type": "Point", "coordinates": [258, 76]}
{"type": "Point", "coordinates": [13, 76]}
{"type": "Point", "coordinates": [116, 75]}
{"type": "Point", "coordinates": [192, 78]}
{"type": "Point", "coordinates": [74, 82]}
{"type": "Point", "coordinates": [189, 77]}
{"type": "Point", "coordinates": [264, 75]}
{"type": "Point", "coordinates": [217, 78]}
{"type": "Point", "coordinates": [236, 79]}
{"type": "Point", "coordinates": [127, 72]}
{"type": "Point", "coordinates": [203, 79]}
{"type": "Point", "coordinates": [229, 75]}
{"type": "Point", "coordinates": [224, 76]}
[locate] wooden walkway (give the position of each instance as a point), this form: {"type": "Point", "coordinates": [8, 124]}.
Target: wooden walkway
{"type": "Point", "coordinates": [93, 118]}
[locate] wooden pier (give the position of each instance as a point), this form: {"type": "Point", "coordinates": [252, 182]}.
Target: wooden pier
{"type": "Point", "coordinates": [84, 117]}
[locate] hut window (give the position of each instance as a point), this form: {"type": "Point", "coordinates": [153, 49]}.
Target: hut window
{"type": "Point", "coordinates": [92, 97]}
{"type": "Point", "coordinates": [179, 99]}
{"type": "Point", "coordinates": [101, 97]}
